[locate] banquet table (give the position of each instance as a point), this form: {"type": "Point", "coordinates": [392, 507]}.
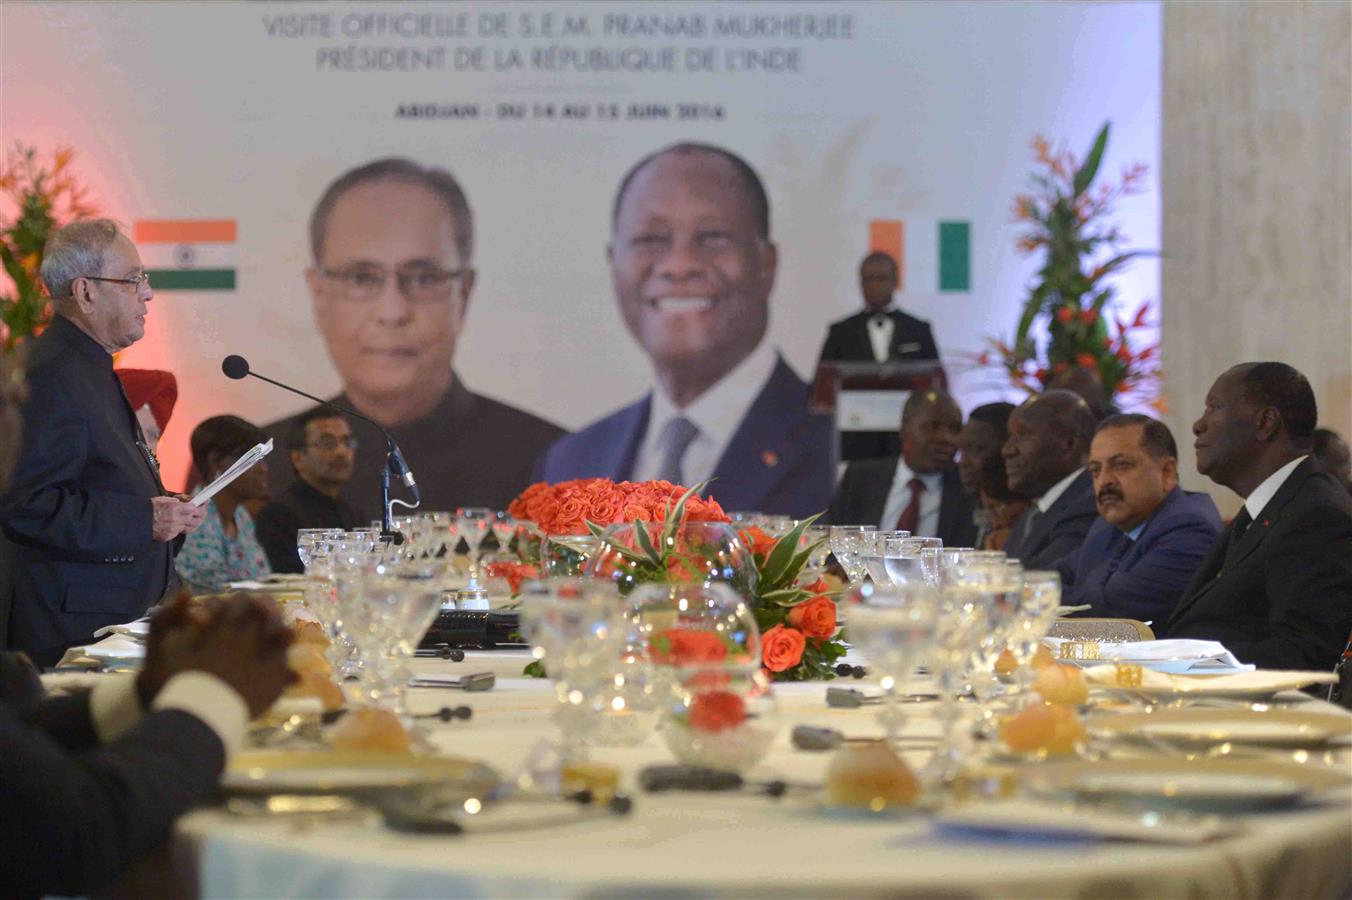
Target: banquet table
{"type": "Point", "coordinates": [723, 844]}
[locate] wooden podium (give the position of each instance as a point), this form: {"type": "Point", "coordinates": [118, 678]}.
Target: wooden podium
{"type": "Point", "coordinates": [865, 400]}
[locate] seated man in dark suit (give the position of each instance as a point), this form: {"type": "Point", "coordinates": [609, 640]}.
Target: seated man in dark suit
{"type": "Point", "coordinates": [1277, 587]}
{"type": "Point", "coordinates": [693, 265]}
{"type": "Point", "coordinates": [392, 273]}
{"type": "Point", "coordinates": [321, 448]}
{"type": "Point", "coordinates": [1150, 537]}
{"type": "Point", "coordinates": [1048, 445]}
{"type": "Point", "coordinates": [93, 528]}
{"type": "Point", "coordinates": [881, 334]}
{"type": "Point", "coordinates": [919, 491]}
{"type": "Point", "coordinates": [1331, 452]}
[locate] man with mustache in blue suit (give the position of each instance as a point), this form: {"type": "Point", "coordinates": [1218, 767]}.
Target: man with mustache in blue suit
{"type": "Point", "coordinates": [1150, 536]}
{"type": "Point", "coordinates": [692, 264]}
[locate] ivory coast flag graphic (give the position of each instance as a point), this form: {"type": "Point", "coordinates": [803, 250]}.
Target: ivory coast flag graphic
{"type": "Point", "coordinates": [929, 252]}
{"type": "Point", "coordinates": [188, 254]}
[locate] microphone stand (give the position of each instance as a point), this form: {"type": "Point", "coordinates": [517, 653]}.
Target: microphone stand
{"type": "Point", "coordinates": [394, 460]}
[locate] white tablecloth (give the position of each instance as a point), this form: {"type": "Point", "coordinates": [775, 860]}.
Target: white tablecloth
{"type": "Point", "coordinates": [720, 844]}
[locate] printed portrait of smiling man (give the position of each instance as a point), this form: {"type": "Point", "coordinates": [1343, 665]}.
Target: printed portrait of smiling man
{"type": "Point", "coordinates": [392, 244]}
{"type": "Point", "coordinates": [692, 264]}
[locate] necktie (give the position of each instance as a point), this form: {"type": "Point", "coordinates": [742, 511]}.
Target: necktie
{"type": "Point", "coordinates": [909, 519]}
{"type": "Point", "coordinates": [1029, 521]}
{"type": "Point", "coordinates": [1124, 542]}
{"type": "Point", "coordinates": [676, 438]}
{"type": "Point", "coordinates": [1237, 529]}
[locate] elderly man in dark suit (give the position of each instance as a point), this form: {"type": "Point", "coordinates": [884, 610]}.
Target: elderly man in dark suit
{"type": "Point", "coordinates": [880, 333]}
{"type": "Point", "coordinates": [1150, 537]}
{"type": "Point", "coordinates": [919, 491]}
{"type": "Point", "coordinates": [693, 265]}
{"type": "Point", "coordinates": [94, 529]}
{"type": "Point", "coordinates": [1276, 588]}
{"type": "Point", "coordinates": [93, 781]}
{"type": "Point", "coordinates": [1045, 453]}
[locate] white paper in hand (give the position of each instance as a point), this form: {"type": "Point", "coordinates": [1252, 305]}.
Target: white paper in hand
{"type": "Point", "coordinates": [241, 465]}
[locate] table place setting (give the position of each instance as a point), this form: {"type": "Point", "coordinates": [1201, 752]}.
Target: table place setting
{"type": "Point", "coordinates": [1171, 656]}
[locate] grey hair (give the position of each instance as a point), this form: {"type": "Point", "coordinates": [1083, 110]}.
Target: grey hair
{"type": "Point", "coordinates": [75, 250]}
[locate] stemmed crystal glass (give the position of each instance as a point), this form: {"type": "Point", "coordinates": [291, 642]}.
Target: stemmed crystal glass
{"type": "Point", "coordinates": [850, 544]}
{"type": "Point", "coordinates": [1041, 600]}
{"type": "Point", "coordinates": [904, 559]}
{"type": "Point", "coordinates": [1003, 595]}
{"type": "Point", "coordinates": [894, 627]}
{"type": "Point", "coordinates": [504, 527]}
{"type": "Point", "coordinates": [473, 523]}
{"type": "Point", "coordinates": [575, 626]}
{"type": "Point", "coordinates": [818, 539]}
{"type": "Point", "coordinates": [875, 558]}
{"type": "Point", "coordinates": [308, 539]}
{"type": "Point", "coordinates": [402, 598]}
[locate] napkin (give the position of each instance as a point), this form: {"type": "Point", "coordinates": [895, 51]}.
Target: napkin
{"type": "Point", "coordinates": [1239, 682]}
{"type": "Point", "coordinates": [138, 629]}
{"type": "Point", "coordinates": [114, 651]}
{"type": "Point", "coordinates": [1178, 655]}
{"type": "Point", "coordinates": [1028, 818]}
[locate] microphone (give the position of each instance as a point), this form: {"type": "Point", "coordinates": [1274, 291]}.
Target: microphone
{"type": "Point", "coordinates": [237, 367]}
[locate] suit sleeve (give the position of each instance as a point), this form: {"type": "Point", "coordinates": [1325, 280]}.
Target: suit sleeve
{"type": "Point", "coordinates": [1309, 587]}
{"type": "Point", "coordinates": [75, 822]}
{"type": "Point", "coordinates": [47, 506]}
{"type": "Point", "coordinates": [1151, 589]}
{"type": "Point", "coordinates": [842, 508]}
{"type": "Point", "coordinates": [276, 529]}
{"type": "Point", "coordinates": [1069, 534]}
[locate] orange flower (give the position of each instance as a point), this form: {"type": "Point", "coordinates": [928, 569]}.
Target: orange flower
{"type": "Point", "coordinates": [816, 617]}
{"type": "Point", "coordinates": [1064, 315]}
{"type": "Point", "coordinates": [685, 647]}
{"type": "Point", "coordinates": [1087, 316]}
{"type": "Point", "coordinates": [1087, 361]}
{"type": "Point", "coordinates": [782, 648]}
{"type": "Point", "coordinates": [756, 539]}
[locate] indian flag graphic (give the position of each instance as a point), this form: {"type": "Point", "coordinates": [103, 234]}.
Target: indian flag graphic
{"type": "Point", "coordinates": [188, 254]}
{"type": "Point", "coordinates": [945, 261]}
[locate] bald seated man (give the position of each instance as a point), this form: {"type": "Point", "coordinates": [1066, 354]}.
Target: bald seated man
{"type": "Point", "coordinates": [1045, 457]}
{"type": "Point", "coordinates": [919, 491]}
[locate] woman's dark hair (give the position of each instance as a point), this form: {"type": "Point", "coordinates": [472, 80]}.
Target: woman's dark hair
{"type": "Point", "coordinates": [227, 436]}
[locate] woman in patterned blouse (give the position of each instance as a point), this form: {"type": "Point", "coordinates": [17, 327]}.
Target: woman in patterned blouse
{"type": "Point", "coordinates": [224, 548]}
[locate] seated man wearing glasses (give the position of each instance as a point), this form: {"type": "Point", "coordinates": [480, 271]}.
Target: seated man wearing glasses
{"type": "Point", "coordinates": [322, 452]}
{"type": "Point", "coordinates": [392, 243]}
{"type": "Point", "coordinates": [95, 531]}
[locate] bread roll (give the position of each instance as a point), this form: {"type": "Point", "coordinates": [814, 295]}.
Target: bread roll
{"type": "Point", "coordinates": [369, 729]}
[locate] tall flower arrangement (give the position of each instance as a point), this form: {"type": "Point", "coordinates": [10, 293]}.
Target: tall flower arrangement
{"type": "Point", "coordinates": [1068, 219]}
{"type": "Point", "coordinates": [41, 194]}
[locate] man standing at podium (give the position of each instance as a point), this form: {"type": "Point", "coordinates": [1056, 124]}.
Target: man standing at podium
{"type": "Point", "coordinates": [880, 333]}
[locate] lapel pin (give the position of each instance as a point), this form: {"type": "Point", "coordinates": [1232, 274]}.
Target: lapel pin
{"type": "Point", "coordinates": [770, 458]}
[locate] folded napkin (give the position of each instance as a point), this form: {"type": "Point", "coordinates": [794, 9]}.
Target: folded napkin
{"type": "Point", "coordinates": [1239, 683]}
{"type": "Point", "coordinates": [140, 628]}
{"type": "Point", "coordinates": [1026, 818]}
{"type": "Point", "coordinates": [1067, 610]}
{"type": "Point", "coordinates": [114, 651]}
{"type": "Point", "coordinates": [1178, 655]}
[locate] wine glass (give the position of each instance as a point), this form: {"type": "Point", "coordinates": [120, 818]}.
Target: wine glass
{"type": "Point", "coordinates": [962, 623]}
{"type": "Point", "coordinates": [902, 558]}
{"type": "Point", "coordinates": [402, 598]}
{"type": "Point", "coordinates": [848, 545]}
{"type": "Point", "coordinates": [1041, 600]}
{"type": "Point", "coordinates": [875, 557]}
{"type": "Point", "coordinates": [504, 527]}
{"type": "Point", "coordinates": [893, 626]}
{"type": "Point", "coordinates": [575, 627]}
{"type": "Point", "coordinates": [473, 523]}
{"type": "Point", "coordinates": [307, 539]}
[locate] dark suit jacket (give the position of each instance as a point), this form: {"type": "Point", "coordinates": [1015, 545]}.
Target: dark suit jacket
{"type": "Point", "coordinates": [79, 506]}
{"type": "Point", "coordinates": [78, 813]}
{"type": "Point", "coordinates": [1143, 579]}
{"type": "Point", "coordinates": [847, 340]}
{"type": "Point", "coordinates": [912, 339]}
{"type": "Point", "coordinates": [1284, 600]}
{"type": "Point", "coordinates": [778, 461]}
{"type": "Point", "coordinates": [300, 506]}
{"type": "Point", "coordinates": [863, 494]}
{"type": "Point", "coordinates": [469, 451]}
{"type": "Point", "coordinates": [1058, 531]}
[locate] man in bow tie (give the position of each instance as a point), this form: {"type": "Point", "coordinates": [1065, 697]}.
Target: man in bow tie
{"type": "Point", "coordinates": [1150, 536]}
{"type": "Point", "coordinates": [880, 333]}
{"type": "Point", "coordinates": [1276, 588]}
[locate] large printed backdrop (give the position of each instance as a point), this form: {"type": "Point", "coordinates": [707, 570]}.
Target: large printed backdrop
{"type": "Point", "coordinates": [237, 115]}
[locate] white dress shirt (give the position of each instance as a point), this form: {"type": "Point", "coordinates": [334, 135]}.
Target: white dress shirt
{"type": "Point", "coordinates": [1054, 492]}
{"type": "Point", "coordinates": [1261, 495]}
{"type": "Point", "coordinates": [115, 707]}
{"type": "Point", "coordinates": [717, 413]}
{"type": "Point", "coordinates": [899, 497]}
{"type": "Point", "coordinates": [880, 332]}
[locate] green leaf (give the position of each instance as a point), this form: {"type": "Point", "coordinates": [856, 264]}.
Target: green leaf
{"type": "Point", "coordinates": [645, 543]}
{"type": "Point", "coordinates": [1084, 176]}
{"type": "Point", "coordinates": [782, 553]}
{"type": "Point", "coordinates": [534, 669]}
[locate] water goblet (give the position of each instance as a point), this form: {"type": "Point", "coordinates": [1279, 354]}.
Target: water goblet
{"type": "Point", "coordinates": [1041, 600]}
{"type": "Point", "coordinates": [473, 523]}
{"type": "Point", "coordinates": [402, 598]}
{"type": "Point", "coordinates": [893, 626]}
{"type": "Point", "coordinates": [849, 543]}
{"type": "Point", "coordinates": [875, 558]}
{"type": "Point", "coordinates": [308, 538]}
{"type": "Point", "coordinates": [504, 527]}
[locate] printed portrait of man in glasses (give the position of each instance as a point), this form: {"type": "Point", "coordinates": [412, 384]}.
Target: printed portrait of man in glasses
{"type": "Point", "coordinates": [392, 273]}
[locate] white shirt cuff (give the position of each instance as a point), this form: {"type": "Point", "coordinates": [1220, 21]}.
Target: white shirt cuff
{"type": "Point", "coordinates": [211, 700]}
{"type": "Point", "coordinates": [114, 706]}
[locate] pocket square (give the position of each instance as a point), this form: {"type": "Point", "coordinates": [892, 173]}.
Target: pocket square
{"type": "Point", "coordinates": [910, 347]}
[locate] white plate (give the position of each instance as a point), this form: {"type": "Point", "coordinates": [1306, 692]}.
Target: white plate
{"type": "Point", "coordinates": [1211, 791]}
{"type": "Point", "coordinates": [327, 772]}
{"type": "Point", "coordinates": [1211, 727]}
